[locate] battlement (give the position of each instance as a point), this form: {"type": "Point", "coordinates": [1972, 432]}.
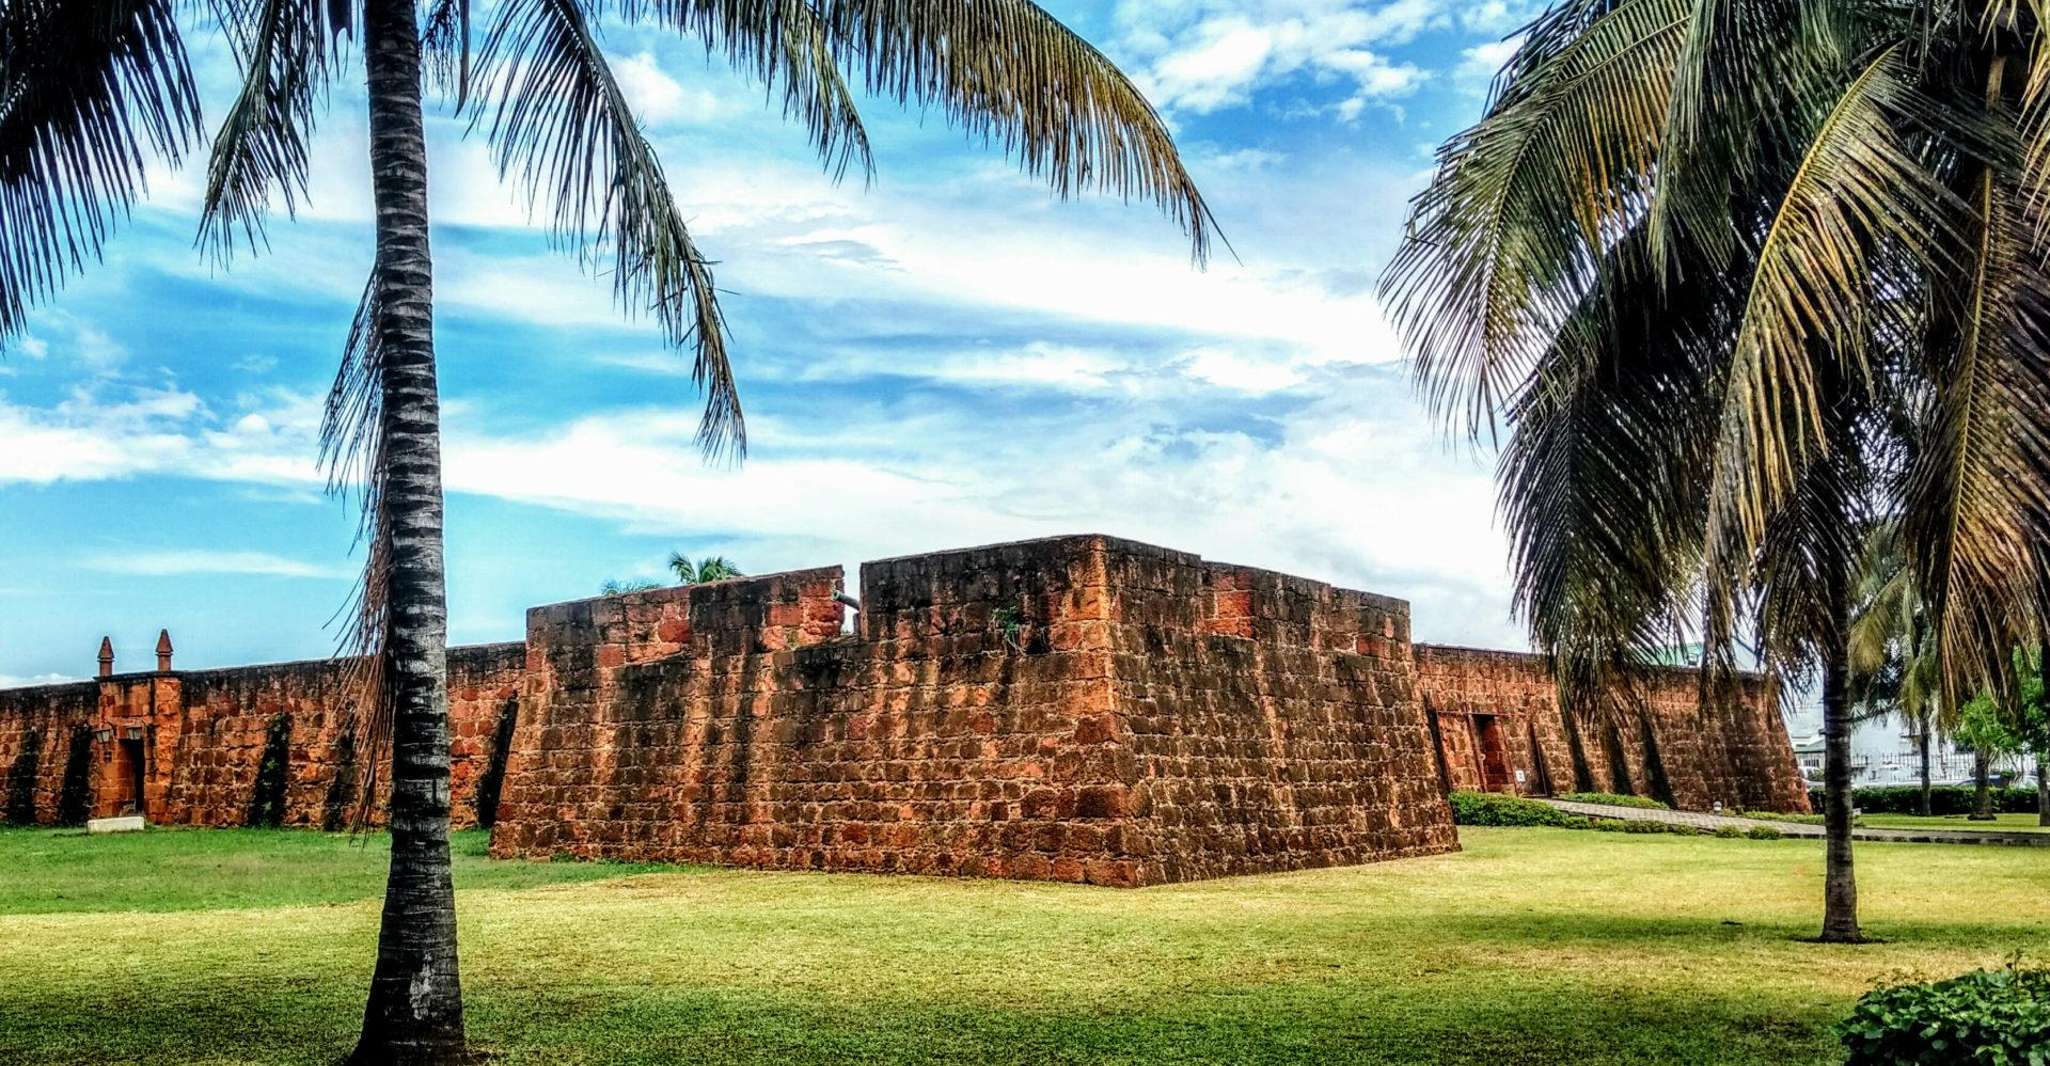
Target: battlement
{"type": "Point", "coordinates": [1081, 708]}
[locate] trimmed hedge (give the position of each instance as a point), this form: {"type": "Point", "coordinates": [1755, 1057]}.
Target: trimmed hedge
{"type": "Point", "coordinates": [1943, 799]}
{"type": "Point", "coordinates": [1613, 800]}
{"type": "Point", "coordinates": [1499, 809]}
{"type": "Point", "coordinates": [1495, 808]}
{"type": "Point", "coordinates": [1995, 1017]}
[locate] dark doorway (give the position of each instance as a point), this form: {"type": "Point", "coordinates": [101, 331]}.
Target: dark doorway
{"type": "Point", "coordinates": [1494, 755]}
{"type": "Point", "coordinates": [128, 772]}
{"type": "Point", "coordinates": [1619, 763]}
{"type": "Point", "coordinates": [1541, 772]}
{"type": "Point", "coordinates": [1655, 766]}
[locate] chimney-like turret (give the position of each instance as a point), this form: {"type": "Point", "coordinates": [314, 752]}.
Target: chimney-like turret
{"type": "Point", "coordinates": [106, 656]}
{"type": "Point", "coordinates": [163, 651]}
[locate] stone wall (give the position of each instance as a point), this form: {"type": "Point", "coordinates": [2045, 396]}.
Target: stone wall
{"type": "Point", "coordinates": [1077, 709]}
{"type": "Point", "coordinates": [1500, 728]}
{"type": "Point", "coordinates": [187, 747]}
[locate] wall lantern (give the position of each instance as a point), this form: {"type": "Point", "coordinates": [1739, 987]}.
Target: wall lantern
{"type": "Point", "coordinates": [133, 732]}
{"type": "Point", "coordinates": [102, 735]}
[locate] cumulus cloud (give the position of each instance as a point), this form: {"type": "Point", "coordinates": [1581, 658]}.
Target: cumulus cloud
{"type": "Point", "coordinates": [1200, 56]}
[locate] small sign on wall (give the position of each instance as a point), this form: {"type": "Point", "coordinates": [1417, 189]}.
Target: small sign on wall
{"type": "Point", "coordinates": [1519, 777]}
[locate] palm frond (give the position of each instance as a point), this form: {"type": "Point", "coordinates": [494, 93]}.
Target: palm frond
{"type": "Point", "coordinates": [561, 124]}
{"type": "Point", "coordinates": [89, 93]}
{"type": "Point", "coordinates": [1859, 194]}
{"type": "Point", "coordinates": [1500, 245]}
{"type": "Point", "coordinates": [1010, 73]}
{"type": "Point", "coordinates": [1975, 498]}
{"type": "Point", "coordinates": [285, 49]}
{"type": "Point", "coordinates": [1599, 478]}
{"type": "Point", "coordinates": [352, 451]}
{"type": "Point", "coordinates": [780, 43]}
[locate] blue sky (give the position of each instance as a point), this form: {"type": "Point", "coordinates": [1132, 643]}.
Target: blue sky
{"type": "Point", "coordinates": [949, 357]}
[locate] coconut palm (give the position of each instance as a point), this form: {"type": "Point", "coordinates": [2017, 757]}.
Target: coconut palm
{"type": "Point", "coordinates": [97, 87]}
{"type": "Point", "coordinates": [709, 568]}
{"type": "Point", "coordinates": [1892, 669]}
{"type": "Point", "coordinates": [1738, 277]}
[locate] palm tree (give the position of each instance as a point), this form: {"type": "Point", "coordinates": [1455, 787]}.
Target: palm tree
{"type": "Point", "coordinates": [1741, 276]}
{"type": "Point", "coordinates": [1892, 668]}
{"type": "Point", "coordinates": [93, 88]}
{"type": "Point", "coordinates": [709, 568]}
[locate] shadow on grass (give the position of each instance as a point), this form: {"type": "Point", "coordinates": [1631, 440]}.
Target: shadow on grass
{"type": "Point", "coordinates": [170, 870]}
{"type": "Point", "coordinates": [1517, 1022]}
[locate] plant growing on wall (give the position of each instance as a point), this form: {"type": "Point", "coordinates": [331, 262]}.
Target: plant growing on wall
{"type": "Point", "coordinates": [708, 569]}
{"type": "Point", "coordinates": [267, 796]}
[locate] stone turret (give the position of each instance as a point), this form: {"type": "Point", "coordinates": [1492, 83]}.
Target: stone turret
{"type": "Point", "coordinates": [106, 656]}
{"type": "Point", "coordinates": [163, 651]}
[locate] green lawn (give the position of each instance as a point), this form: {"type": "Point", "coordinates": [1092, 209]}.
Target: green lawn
{"type": "Point", "coordinates": [1532, 946]}
{"type": "Point", "coordinates": [2025, 823]}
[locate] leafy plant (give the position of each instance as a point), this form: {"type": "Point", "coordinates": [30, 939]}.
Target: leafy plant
{"type": "Point", "coordinates": [1494, 808]}
{"type": "Point", "coordinates": [704, 571]}
{"type": "Point", "coordinates": [1995, 1017]}
{"type": "Point", "coordinates": [1944, 799]}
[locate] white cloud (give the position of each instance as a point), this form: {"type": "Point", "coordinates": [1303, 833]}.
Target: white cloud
{"type": "Point", "coordinates": [182, 561]}
{"type": "Point", "coordinates": [1204, 55]}
{"type": "Point", "coordinates": [11, 681]}
{"type": "Point", "coordinates": [1479, 64]}
{"type": "Point", "coordinates": [658, 98]}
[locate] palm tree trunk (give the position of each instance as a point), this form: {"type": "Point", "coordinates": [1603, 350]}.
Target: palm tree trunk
{"type": "Point", "coordinates": [415, 1009]}
{"type": "Point", "coordinates": [1840, 884]}
{"type": "Point", "coordinates": [1923, 805]}
{"type": "Point", "coordinates": [1982, 791]}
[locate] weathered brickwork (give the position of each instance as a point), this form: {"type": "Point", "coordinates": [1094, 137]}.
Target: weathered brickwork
{"type": "Point", "coordinates": [1077, 709]}
{"type": "Point", "coordinates": [1069, 709]}
{"type": "Point", "coordinates": [186, 747]}
{"type": "Point", "coordinates": [1500, 728]}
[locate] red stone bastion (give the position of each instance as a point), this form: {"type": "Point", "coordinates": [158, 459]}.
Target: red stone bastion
{"type": "Point", "coordinates": [1077, 709]}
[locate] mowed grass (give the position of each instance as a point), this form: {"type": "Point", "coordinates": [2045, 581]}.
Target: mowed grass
{"type": "Point", "coordinates": [2006, 823]}
{"type": "Point", "coordinates": [1531, 946]}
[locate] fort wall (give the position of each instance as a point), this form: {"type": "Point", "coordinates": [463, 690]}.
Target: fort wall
{"type": "Point", "coordinates": [1078, 709]}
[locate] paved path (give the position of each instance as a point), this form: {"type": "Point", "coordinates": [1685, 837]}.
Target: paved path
{"type": "Point", "coordinates": [1713, 822]}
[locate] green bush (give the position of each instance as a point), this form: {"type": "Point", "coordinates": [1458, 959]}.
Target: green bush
{"type": "Point", "coordinates": [1729, 832]}
{"type": "Point", "coordinates": [1770, 816]}
{"type": "Point", "coordinates": [1943, 799]}
{"type": "Point", "coordinates": [1763, 832]}
{"type": "Point", "coordinates": [1613, 800]}
{"type": "Point", "coordinates": [1995, 1017]}
{"type": "Point", "coordinates": [1494, 808]}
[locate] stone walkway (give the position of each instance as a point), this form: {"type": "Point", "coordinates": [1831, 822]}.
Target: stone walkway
{"type": "Point", "coordinates": [1713, 822]}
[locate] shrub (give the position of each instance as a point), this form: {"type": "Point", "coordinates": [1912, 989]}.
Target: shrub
{"type": "Point", "coordinates": [1763, 832]}
{"type": "Point", "coordinates": [1729, 832]}
{"type": "Point", "coordinates": [1943, 799]}
{"type": "Point", "coordinates": [1493, 808]}
{"type": "Point", "coordinates": [1770, 816]}
{"type": "Point", "coordinates": [1614, 800]}
{"type": "Point", "coordinates": [1996, 1017]}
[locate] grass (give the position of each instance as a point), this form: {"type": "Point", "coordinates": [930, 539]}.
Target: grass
{"type": "Point", "coordinates": [1532, 946]}
{"type": "Point", "coordinates": [2007, 823]}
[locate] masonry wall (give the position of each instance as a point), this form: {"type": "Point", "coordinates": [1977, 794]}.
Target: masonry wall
{"type": "Point", "coordinates": [187, 747]}
{"type": "Point", "coordinates": [1665, 746]}
{"type": "Point", "coordinates": [1078, 709]}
